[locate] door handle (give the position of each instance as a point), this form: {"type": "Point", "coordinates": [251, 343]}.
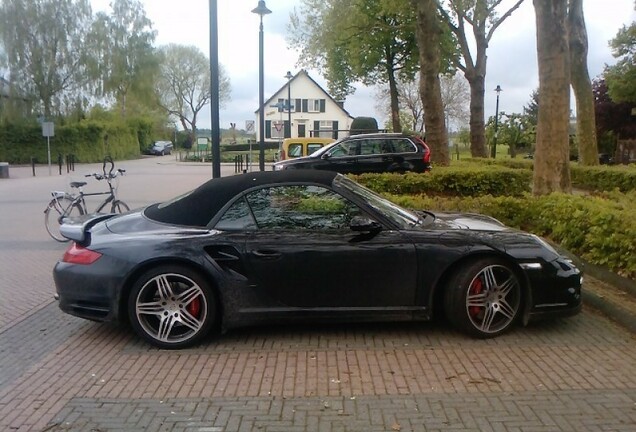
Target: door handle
{"type": "Point", "coordinates": [266, 254]}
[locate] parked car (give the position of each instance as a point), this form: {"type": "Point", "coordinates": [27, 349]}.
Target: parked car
{"type": "Point", "coordinates": [304, 245]}
{"type": "Point", "coordinates": [298, 147]}
{"type": "Point", "coordinates": [161, 148]}
{"type": "Point", "coordinates": [364, 153]}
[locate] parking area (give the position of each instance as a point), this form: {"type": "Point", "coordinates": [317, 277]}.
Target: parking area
{"type": "Point", "coordinates": [60, 373]}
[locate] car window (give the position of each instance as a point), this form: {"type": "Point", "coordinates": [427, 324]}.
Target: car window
{"type": "Point", "coordinates": [303, 207]}
{"type": "Point", "coordinates": [312, 147]}
{"type": "Point", "coordinates": [403, 145]}
{"type": "Point", "coordinates": [295, 150]}
{"type": "Point", "coordinates": [343, 149]}
{"type": "Point", "coordinates": [237, 217]}
{"type": "Point", "coordinates": [370, 146]}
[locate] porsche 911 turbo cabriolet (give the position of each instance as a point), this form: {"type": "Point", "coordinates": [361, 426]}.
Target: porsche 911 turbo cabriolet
{"type": "Point", "coordinates": [304, 245]}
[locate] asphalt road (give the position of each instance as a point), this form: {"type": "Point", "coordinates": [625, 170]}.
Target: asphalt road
{"type": "Point", "coordinates": [60, 373]}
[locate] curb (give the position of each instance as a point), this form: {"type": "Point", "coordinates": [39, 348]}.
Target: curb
{"type": "Point", "coordinates": [624, 316]}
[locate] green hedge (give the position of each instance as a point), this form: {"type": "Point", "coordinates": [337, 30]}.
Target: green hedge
{"type": "Point", "coordinates": [604, 178]}
{"type": "Point", "coordinates": [600, 229]}
{"type": "Point", "coordinates": [457, 181]}
{"type": "Point", "coordinates": [88, 141]}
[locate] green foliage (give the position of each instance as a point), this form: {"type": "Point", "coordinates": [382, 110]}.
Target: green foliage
{"type": "Point", "coordinates": [89, 141]}
{"type": "Point", "coordinates": [621, 78]}
{"type": "Point", "coordinates": [332, 35]}
{"type": "Point", "coordinates": [455, 181]}
{"type": "Point", "coordinates": [604, 178]}
{"type": "Point", "coordinates": [43, 41]}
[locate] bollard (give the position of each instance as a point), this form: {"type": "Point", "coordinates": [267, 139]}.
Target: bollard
{"type": "Point", "coordinates": [4, 169]}
{"type": "Point", "coordinates": [59, 163]}
{"type": "Point", "coordinates": [33, 166]}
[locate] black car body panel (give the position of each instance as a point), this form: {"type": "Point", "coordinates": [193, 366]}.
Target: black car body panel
{"type": "Point", "coordinates": [260, 275]}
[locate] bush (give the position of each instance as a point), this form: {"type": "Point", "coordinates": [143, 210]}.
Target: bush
{"type": "Point", "coordinates": [604, 178]}
{"type": "Point", "coordinates": [456, 181]}
{"type": "Point", "coordinates": [89, 141]}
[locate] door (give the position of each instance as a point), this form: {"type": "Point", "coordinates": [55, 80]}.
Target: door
{"type": "Point", "coordinates": [301, 130]}
{"type": "Point", "coordinates": [304, 255]}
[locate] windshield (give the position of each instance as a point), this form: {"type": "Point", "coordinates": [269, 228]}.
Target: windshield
{"type": "Point", "coordinates": [401, 217]}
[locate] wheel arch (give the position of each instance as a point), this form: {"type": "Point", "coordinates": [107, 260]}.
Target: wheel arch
{"type": "Point", "coordinates": [436, 298]}
{"type": "Point", "coordinates": [134, 275]}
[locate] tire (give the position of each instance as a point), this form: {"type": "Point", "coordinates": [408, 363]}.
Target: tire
{"type": "Point", "coordinates": [119, 207]}
{"type": "Point", "coordinates": [53, 216]}
{"type": "Point", "coordinates": [483, 298]}
{"type": "Point", "coordinates": [171, 307]}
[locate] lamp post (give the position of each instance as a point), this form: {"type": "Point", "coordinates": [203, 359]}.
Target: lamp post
{"type": "Point", "coordinates": [261, 10]}
{"type": "Point", "coordinates": [493, 152]}
{"type": "Point", "coordinates": [215, 127]}
{"type": "Point", "coordinates": [289, 76]}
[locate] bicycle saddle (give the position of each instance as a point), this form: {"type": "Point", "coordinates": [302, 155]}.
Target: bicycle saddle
{"type": "Point", "coordinates": [78, 184]}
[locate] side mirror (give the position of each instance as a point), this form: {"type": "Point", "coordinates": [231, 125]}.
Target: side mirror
{"type": "Point", "coordinates": [326, 156]}
{"type": "Point", "coordinates": [364, 224]}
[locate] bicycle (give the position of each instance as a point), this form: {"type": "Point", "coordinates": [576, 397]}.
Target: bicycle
{"type": "Point", "coordinates": [65, 205]}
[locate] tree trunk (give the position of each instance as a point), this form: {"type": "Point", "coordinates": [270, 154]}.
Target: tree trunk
{"type": "Point", "coordinates": [582, 85]}
{"type": "Point", "coordinates": [477, 123]}
{"type": "Point", "coordinates": [428, 32]}
{"type": "Point", "coordinates": [551, 162]}
{"type": "Point", "coordinates": [395, 104]}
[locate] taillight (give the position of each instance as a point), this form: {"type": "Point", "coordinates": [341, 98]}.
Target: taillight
{"type": "Point", "coordinates": [283, 156]}
{"type": "Point", "coordinates": [427, 152]}
{"type": "Point", "coordinates": [76, 254]}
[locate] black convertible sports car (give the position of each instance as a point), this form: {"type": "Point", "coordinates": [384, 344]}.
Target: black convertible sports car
{"type": "Point", "coordinates": [304, 245]}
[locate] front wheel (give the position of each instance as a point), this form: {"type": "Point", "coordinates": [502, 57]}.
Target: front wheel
{"type": "Point", "coordinates": [56, 211]}
{"type": "Point", "coordinates": [171, 307]}
{"type": "Point", "coordinates": [119, 207]}
{"type": "Point", "coordinates": [483, 298]}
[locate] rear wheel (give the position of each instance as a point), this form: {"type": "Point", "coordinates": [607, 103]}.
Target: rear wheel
{"type": "Point", "coordinates": [119, 207]}
{"type": "Point", "coordinates": [56, 211]}
{"type": "Point", "coordinates": [483, 298]}
{"type": "Point", "coordinates": [171, 307]}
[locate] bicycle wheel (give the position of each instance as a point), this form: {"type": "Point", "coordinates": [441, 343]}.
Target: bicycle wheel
{"type": "Point", "coordinates": [56, 211]}
{"type": "Point", "coordinates": [119, 207]}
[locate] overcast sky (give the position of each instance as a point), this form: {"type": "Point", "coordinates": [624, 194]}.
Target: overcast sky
{"type": "Point", "coordinates": [511, 55]}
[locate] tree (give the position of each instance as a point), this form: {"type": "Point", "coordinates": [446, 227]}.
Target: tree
{"type": "Point", "coordinates": [482, 17]}
{"type": "Point", "coordinates": [123, 58]}
{"type": "Point", "coordinates": [372, 41]}
{"type": "Point", "coordinates": [582, 85]}
{"type": "Point", "coordinates": [44, 43]}
{"type": "Point", "coordinates": [455, 96]}
{"type": "Point", "coordinates": [184, 84]}
{"type": "Point", "coordinates": [621, 78]}
{"type": "Point", "coordinates": [613, 120]}
{"type": "Point", "coordinates": [429, 37]}
{"type": "Point", "coordinates": [551, 168]}
{"type": "Point", "coordinates": [531, 111]}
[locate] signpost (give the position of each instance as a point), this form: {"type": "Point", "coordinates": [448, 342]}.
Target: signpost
{"type": "Point", "coordinates": [249, 128]}
{"type": "Point", "coordinates": [48, 130]}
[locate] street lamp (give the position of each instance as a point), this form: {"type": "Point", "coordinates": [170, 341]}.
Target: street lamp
{"type": "Point", "coordinates": [493, 152]}
{"type": "Point", "coordinates": [261, 10]}
{"type": "Point", "coordinates": [289, 76]}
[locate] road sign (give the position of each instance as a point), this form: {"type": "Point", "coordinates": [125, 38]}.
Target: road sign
{"type": "Point", "coordinates": [249, 126]}
{"type": "Point", "coordinates": [48, 129]}
{"type": "Point", "coordinates": [279, 125]}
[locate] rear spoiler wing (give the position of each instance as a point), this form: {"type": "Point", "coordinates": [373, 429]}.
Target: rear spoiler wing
{"type": "Point", "coordinates": [76, 228]}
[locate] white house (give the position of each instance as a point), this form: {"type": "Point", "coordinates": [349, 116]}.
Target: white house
{"type": "Point", "coordinates": [313, 112]}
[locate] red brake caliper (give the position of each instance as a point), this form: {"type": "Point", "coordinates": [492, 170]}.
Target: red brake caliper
{"type": "Point", "coordinates": [475, 288]}
{"type": "Point", "coordinates": [194, 307]}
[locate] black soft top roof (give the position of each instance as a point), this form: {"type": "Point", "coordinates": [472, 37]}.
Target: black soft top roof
{"type": "Point", "coordinates": [199, 206]}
